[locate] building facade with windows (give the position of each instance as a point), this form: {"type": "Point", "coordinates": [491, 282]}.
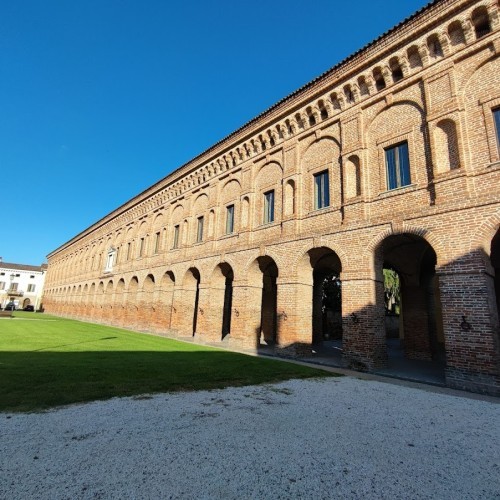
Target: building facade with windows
{"type": "Point", "coordinates": [21, 285]}
{"type": "Point", "coordinates": [281, 233]}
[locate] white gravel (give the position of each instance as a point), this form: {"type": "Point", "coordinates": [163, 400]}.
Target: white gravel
{"type": "Point", "coordinates": [328, 438]}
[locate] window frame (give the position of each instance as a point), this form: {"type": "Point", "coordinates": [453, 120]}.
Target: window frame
{"type": "Point", "coordinates": [175, 239]}
{"type": "Point", "coordinates": [229, 219]}
{"type": "Point", "coordinates": [496, 123]}
{"type": "Point", "coordinates": [401, 170]}
{"type": "Point", "coordinates": [157, 242]}
{"type": "Point", "coordinates": [321, 181]}
{"type": "Point", "coordinates": [199, 229]}
{"type": "Point", "coordinates": [269, 206]}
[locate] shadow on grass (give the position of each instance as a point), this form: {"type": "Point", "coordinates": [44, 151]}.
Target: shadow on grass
{"type": "Point", "coordinates": [38, 380]}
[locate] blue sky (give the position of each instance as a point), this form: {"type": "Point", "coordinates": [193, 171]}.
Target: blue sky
{"type": "Point", "coordinates": [99, 99]}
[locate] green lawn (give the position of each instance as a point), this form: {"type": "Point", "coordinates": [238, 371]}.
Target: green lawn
{"type": "Point", "coordinates": [47, 362]}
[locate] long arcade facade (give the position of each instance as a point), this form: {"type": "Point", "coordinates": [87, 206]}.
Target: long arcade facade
{"type": "Point", "coordinates": [388, 161]}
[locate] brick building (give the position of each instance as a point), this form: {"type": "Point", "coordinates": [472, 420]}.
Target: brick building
{"type": "Point", "coordinates": [280, 233]}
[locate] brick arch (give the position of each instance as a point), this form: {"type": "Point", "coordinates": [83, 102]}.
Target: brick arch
{"type": "Point", "coordinates": [225, 260]}
{"type": "Point", "coordinates": [255, 255]}
{"type": "Point", "coordinates": [396, 102]}
{"type": "Point", "coordinates": [305, 249]}
{"type": "Point", "coordinates": [483, 235]}
{"type": "Point", "coordinates": [473, 70]}
{"type": "Point", "coordinates": [324, 138]}
{"type": "Point", "coordinates": [433, 240]}
{"type": "Point", "coordinates": [268, 164]}
{"type": "Point", "coordinates": [188, 273]}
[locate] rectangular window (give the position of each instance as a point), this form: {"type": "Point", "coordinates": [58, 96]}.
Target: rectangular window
{"type": "Point", "coordinates": [175, 243]}
{"type": "Point", "coordinates": [398, 166]}
{"type": "Point", "coordinates": [129, 246]}
{"type": "Point", "coordinates": [230, 219]}
{"type": "Point", "coordinates": [199, 231]}
{"type": "Point", "coordinates": [32, 276]}
{"type": "Point", "coordinates": [13, 286]}
{"type": "Point", "coordinates": [141, 247]}
{"type": "Point", "coordinates": [31, 288]}
{"type": "Point", "coordinates": [157, 242]}
{"type": "Point", "coordinates": [496, 117]}
{"type": "Point", "coordinates": [321, 190]}
{"type": "Point", "coordinates": [269, 207]}
{"type": "Point", "coordinates": [2, 285]}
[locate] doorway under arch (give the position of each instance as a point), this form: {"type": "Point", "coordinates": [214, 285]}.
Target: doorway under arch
{"type": "Point", "coordinates": [326, 296]}
{"type": "Point", "coordinates": [412, 308]}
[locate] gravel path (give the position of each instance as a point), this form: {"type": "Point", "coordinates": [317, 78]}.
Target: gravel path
{"type": "Point", "coordinates": [328, 438]}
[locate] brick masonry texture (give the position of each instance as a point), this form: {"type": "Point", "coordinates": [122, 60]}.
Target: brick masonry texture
{"type": "Point", "coordinates": [168, 262]}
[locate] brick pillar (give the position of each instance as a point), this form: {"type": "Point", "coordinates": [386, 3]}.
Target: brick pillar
{"type": "Point", "coordinates": [246, 315]}
{"type": "Point", "coordinates": [184, 303]}
{"type": "Point", "coordinates": [363, 322]}
{"type": "Point", "coordinates": [213, 306]}
{"type": "Point", "coordinates": [204, 314]}
{"type": "Point", "coordinates": [470, 323]}
{"type": "Point", "coordinates": [416, 322]}
{"type": "Point", "coordinates": [294, 318]}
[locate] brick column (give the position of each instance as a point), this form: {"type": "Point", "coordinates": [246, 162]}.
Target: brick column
{"type": "Point", "coordinates": [246, 315]}
{"type": "Point", "coordinates": [363, 321]}
{"type": "Point", "coordinates": [470, 323]}
{"type": "Point", "coordinates": [184, 304]}
{"type": "Point", "coordinates": [212, 303]}
{"type": "Point", "coordinates": [294, 317]}
{"type": "Point", "coordinates": [207, 306]}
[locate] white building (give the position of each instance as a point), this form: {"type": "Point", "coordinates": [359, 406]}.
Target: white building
{"type": "Point", "coordinates": [21, 284]}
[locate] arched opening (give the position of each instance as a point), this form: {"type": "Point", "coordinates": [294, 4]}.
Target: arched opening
{"type": "Point", "coordinates": [414, 59]}
{"type": "Point", "coordinates": [363, 86]}
{"type": "Point", "coordinates": [434, 46]}
{"type": "Point", "coordinates": [396, 70]}
{"type": "Point", "coordinates": [326, 296]}
{"type": "Point", "coordinates": [414, 330]}
{"type": "Point", "coordinates": [495, 262]}
{"type": "Point", "coordinates": [379, 79]}
{"type": "Point", "coordinates": [26, 302]}
{"type": "Point", "coordinates": [456, 33]}
{"type": "Point", "coordinates": [481, 22]}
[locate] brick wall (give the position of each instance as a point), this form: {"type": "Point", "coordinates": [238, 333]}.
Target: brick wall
{"type": "Point", "coordinates": [431, 85]}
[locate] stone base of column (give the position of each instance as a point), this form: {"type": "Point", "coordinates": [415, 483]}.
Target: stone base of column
{"type": "Point", "coordinates": [295, 350]}
{"type": "Point", "coordinates": [364, 363]}
{"type": "Point", "coordinates": [465, 380]}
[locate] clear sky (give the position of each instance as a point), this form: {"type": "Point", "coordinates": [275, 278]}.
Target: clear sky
{"type": "Point", "coordinates": [99, 99]}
